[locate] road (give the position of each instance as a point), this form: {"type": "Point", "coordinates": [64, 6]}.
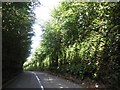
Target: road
{"type": "Point", "coordinates": [41, 80]}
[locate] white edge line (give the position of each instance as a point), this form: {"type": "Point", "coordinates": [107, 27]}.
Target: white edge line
{"type": "Point", "coordinates": [38, 81]}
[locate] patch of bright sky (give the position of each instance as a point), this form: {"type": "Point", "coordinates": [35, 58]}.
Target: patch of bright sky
{"type": "Point", "coordinates": [42, 14]}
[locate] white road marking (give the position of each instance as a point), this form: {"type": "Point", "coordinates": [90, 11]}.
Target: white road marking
{"type": "Point", "coordinates": [38, 81]}
{"type": "Point", "coordinates": [61, 87]}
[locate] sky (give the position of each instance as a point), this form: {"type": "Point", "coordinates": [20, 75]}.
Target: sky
{"type": "Point", "coordinates": [42, 14]}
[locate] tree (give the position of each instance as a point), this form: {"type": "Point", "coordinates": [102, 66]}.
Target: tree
{"type": "Point", "coordinates": [82, 39]}
{"type": "Point", "coordinates": [17, 31]}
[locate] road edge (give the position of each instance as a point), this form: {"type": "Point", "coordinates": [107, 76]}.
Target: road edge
{"type": "Point", "coordinates": [11, 80]}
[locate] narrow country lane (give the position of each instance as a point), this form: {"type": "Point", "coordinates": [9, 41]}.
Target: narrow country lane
{"type": "Point", "coordinates": [41, 80]}
{"type": "Point", "coordinates": [24, 80]}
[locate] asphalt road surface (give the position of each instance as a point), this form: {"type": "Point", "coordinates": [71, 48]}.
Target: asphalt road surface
{"type": "Point", "coordinates": [41, 80]}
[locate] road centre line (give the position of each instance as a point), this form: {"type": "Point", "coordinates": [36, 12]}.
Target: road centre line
{"type": "Point", "coordinates": [38, 81]}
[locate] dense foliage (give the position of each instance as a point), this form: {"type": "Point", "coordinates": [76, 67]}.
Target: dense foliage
{"type": "Point", "coordinates": [82, 39]}
{"type": "Point", "coordinates": [17, 19]}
